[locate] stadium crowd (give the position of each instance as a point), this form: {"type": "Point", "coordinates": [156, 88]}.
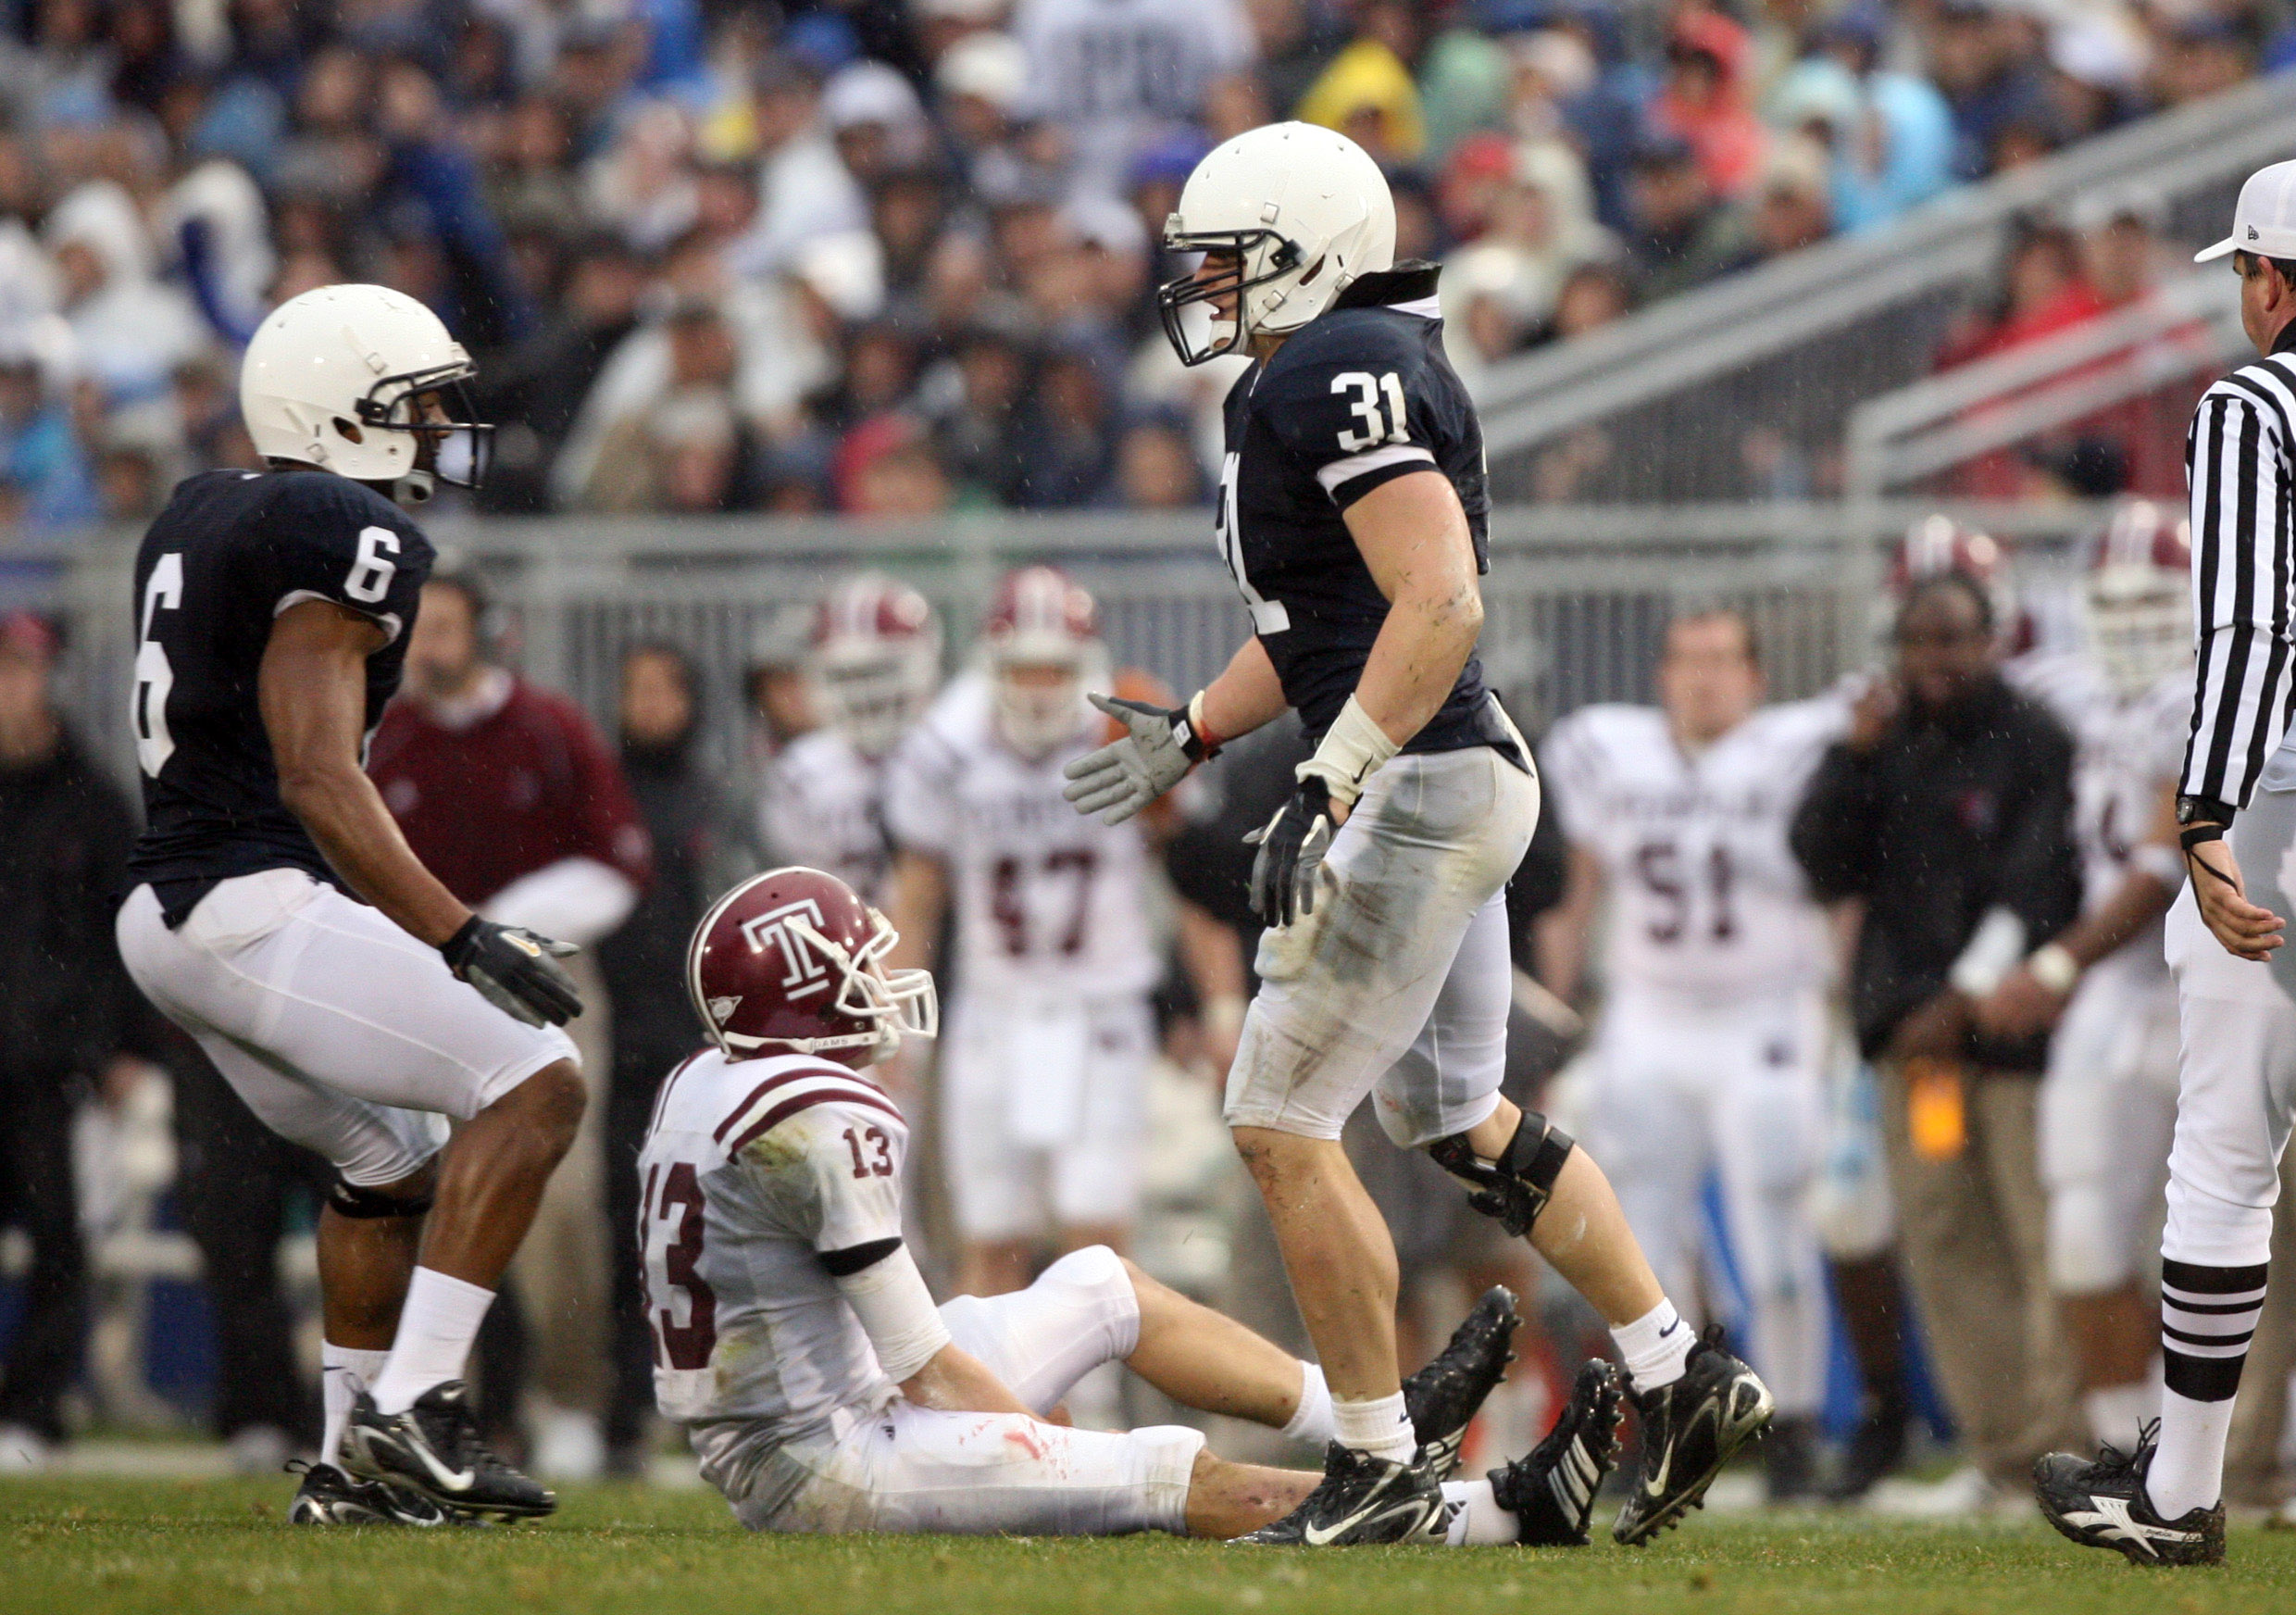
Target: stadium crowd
{"type": "Point", "coordinates": [893, 257]}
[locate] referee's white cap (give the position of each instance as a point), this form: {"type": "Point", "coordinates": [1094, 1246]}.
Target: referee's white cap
{"type": "Point", "coordinates": [2264, 222]}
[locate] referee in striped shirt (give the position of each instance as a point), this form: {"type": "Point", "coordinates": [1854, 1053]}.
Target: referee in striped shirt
{"type": "Point", "coordinates": [2237, 806]}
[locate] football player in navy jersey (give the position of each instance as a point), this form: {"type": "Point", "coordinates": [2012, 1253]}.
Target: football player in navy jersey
{"type": "Point", "coordinates": [1352, 513]}
{"type": "Point", "coordinates": [280, 920]}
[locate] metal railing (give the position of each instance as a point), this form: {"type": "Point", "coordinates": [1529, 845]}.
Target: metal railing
{"type": "Point", "coordinates": [1575, 603]}
{"type": "Point", "coordinates": [2188, 326]}
{"type": "Point", "coordinates": [1793, 347]}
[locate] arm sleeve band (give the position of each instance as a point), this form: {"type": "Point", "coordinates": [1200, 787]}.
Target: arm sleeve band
{"type": "Point", "coordinates": [576, 900]}
{"type": "Point", "coordinates": [896, 1312]}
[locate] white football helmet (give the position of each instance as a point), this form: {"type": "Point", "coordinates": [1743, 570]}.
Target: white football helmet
{"type": "Point", "coordinates": [2137, 600]}
{"type": "Point", "coordinates": [1305, 211]}
{"type": "Point", "coordinates": [874, 658]}
{"type": "Point", "coordinates": [1044, 651]}
{"type": "Point", "coordinates": [339, 377]}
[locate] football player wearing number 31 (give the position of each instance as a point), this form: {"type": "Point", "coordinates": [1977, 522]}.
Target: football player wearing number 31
{"type": "Point", "coordinates": [1351, 510]}
{"type": "Point", "coordinates": [280, 920]}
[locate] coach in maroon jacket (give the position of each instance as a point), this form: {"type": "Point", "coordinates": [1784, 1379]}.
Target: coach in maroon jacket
{"type": "Point", "coordinates": [512, 798]}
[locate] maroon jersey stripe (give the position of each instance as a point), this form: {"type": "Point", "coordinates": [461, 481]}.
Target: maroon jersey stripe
{"type": "Point", "coordinates": [792, 1106]}
{"type": "Point", "coordinates": [824, 1070]}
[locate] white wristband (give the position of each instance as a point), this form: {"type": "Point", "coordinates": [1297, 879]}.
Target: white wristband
{"type": "Point", "coordinates": [2053, 966]}
{"type": "Point", "coordinates": [1353, 750]}
{"type": "Point", "coordinates": [1992, 951]}
{"type": "Point", "coordinates": [896, 1312]}
{"type": "Point", "coordinates": [2165, 864]}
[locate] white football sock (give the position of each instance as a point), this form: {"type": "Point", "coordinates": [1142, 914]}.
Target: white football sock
{"type": "Point", "coordinates": [2188, 1470]}
{"type": "Point", "coordinates": [436, 1326]}
{"type": "Point", "coordinates": [1655, 1346]}
{"type": "Point", "coordinates": [344, 1372]}
{"type": "Point", "coordinates": [1381, 1428]}
{"type": "Point", "coordinates": [1476, 1517]}
{"type": "Point", "coordinates": [2114, 1411]}
{"type": "Point", "coordinates": [1312, 1422]}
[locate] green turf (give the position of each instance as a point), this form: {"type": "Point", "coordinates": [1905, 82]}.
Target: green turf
{"type": "Point", "coordinates": [88, 1546]}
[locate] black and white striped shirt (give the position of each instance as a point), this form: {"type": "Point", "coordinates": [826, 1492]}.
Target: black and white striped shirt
{"type": "Point", "coordinates": [2240, 464]}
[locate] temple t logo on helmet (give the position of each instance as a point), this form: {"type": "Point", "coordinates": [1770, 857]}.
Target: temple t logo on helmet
{"type": "Point", "coordinates": [1288, 216]}
{"type": "Point", "coordinates": [364, 382]}
{"type": "Point", "coordinates": [792, 962]}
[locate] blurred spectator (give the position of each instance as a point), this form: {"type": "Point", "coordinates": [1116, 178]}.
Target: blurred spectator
{"type": "Point", "coordinates": [2043, 290]}
{"type": "Point", "coordinates": [1704, 100]}
{"type": "Point", "coordinates": [47, 484]}
{"type": "Point", "coordinates": [1531, 227]}
{"type": "Point", "coordinates": [1682, 233]}
{"type": "Point", "coordinates": [1367, 92]}
{"type": "Point", "coordinates": [510, 796]}
{"type": "Point", "coordinates": [1947, 810]}
{"type": "Point", "coordinates": [1993, 85]}
{"type": "Point", "coordinates": [643, 964]}
{"type": "Point", "coordinates": [1592, 297]}
{"type": "Point", "coordinates": [1155, 469]}
{"type": "Point", "coordinates": [1888, 136]}
{"type": "Point", "coordinates": [1114, 74]}
{"type": "Point", "coordinates": [1792, 208]}
{"type": "Point", "coordinates": [65, 1017]}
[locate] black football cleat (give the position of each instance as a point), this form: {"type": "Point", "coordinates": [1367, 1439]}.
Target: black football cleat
{"type": "Point", "coordinates": [1551, 1490]}
{"type": "Point", "coordinates": [2101, 1502]}
{"type": "Point", "coordinates": [1690, 1430]}
{"type": "Point", "coordinates": [330, 1497]}
{"type": "Point", "coordinates": [1443, 1398]}
{"type": "Point", "coordinates": [1363, 1499]}
{"type": "Point", "coordinates": [434, 1448]}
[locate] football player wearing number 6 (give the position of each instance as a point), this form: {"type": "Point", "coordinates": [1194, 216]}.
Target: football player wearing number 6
{"type": "Point", "coordinates": [280, 919]}
{"type": "Point", "coordinates": [1352, 514]}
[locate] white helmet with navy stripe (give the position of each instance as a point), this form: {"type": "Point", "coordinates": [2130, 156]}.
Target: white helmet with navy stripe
{"type": "Point", "coordinates": [1291, 212]}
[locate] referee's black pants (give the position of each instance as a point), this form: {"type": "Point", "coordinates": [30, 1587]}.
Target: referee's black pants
{"type": "Point", "coordinates": [37, 1195]}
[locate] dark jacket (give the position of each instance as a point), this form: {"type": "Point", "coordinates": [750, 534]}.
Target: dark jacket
{"type": "Point", "coordinates": [1951, 815]}
{"type": "Point", "coordinates": [66, 1002]}
{"type": "Point", "coordinates": [643, 962]}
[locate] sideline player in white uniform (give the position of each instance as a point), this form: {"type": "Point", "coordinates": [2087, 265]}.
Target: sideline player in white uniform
{"type": "Point", "coordinates": [1711, 1052]}
{"type": "Point", "coordinates": [822, 1389]}
{"type": "Point", "coordinates": [1043, 1075]}
{"type": "Point", "coordinates": [1352, 512]}
{"type": "Point", "coordinates": [274, 610]}
{"type": "Point", "coordinates": [2108, 1103]}
{"type": "Point", "coordinates": [874, 661]}
{"type": "Point", "coordinates": [2163, 1503]}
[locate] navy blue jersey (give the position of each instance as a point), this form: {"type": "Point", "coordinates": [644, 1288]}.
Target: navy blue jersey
{"type": "Point", "coordinates": [1358, 397]}
{"type": "Point", "coordinates": [231, 552]}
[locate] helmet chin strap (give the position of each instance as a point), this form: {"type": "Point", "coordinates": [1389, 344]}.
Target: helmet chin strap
{"type": "Point", "coordinates": [414, 488]}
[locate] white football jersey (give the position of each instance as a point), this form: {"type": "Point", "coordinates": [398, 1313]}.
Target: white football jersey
{"type": "Point", "coordinates": [2128, 754]}
{"type": "Point", "coordinates": [1706, 897]}
{"type": "Point", "coordinates": [751, 1170]}
{"type": "Point", "coordinates": [823, 805]}
{"type": "Point", "coordinates": [1049, 903]}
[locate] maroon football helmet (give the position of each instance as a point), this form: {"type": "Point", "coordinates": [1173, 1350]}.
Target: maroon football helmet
{"type": "Point", "coordinates": [792, 962]}
{"type": "Point", "coordinates": [1044, 651]}
{"type": "Point", "coordinates": [875, 660]}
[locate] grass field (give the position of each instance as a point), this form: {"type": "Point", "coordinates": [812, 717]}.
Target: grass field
{"type": "Point", "coordinates": [87, 1545]}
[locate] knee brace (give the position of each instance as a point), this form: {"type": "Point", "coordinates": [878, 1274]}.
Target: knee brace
{"type": "Point", "coordinates": [351, 1200]}
{"type": "Point", "coordinates": [1517, 1187]}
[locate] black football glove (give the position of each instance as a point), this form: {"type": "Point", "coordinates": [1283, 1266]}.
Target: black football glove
{"type": "Point", "coordinates": [514, 971]}
{"type": "Point", "coordinates": [1153, 754]}
{"type": "Point", "coordinates": [1291, 848]}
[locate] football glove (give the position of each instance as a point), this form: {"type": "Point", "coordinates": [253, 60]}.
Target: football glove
{"type": "Point", "coordinates": [1290, 857]}
{"type": "Point", "coordinates": [514, 971]}
{"type": "Point", "coordinates": [1124, 776]}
